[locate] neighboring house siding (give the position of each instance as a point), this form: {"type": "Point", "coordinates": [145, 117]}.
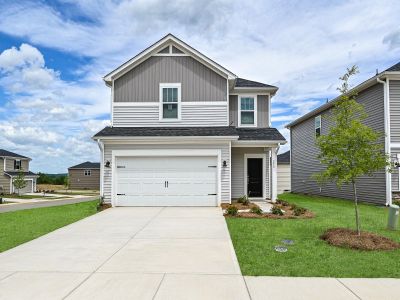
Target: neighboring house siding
{"type": "Point", "coordinates": [191, 115]}
{"type": "Point", "coordinates": [262, 110]}
{"type": "Point", "coordinates": [4, 179]}
{"type": "Point", "coordinates": [238, 189]}
{"type": "Point", "coordinates": [225, 155]}
{"type": "Point", "coordinates": [283, 178]}
{"type": "Point", "coordinates": [304, 161]}
{"type": "Point", "coordinates": [395, 171]}
{"type": "Point", "coordinates": [10, 164]}
{"type": "Point", "coordinates": [199, 83]}
{"type": "Point", "coordinates": [394, 96]}
{"type": "Point", "coordinates": [78, 180]}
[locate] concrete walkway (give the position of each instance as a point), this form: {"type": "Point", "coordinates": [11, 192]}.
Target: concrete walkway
{"type": "Point", "coordinates": [156, 253]}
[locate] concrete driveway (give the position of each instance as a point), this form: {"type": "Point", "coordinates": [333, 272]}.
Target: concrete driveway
{"type": "Point", "coordinates": [128, 253]}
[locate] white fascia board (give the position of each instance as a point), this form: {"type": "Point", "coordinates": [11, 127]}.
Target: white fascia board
{"type": "Point", "coordinates": [166, 139]}
{"type": "Point", "coordinates": [257, 143]}
{"type": "Point", "coordinates": [257, 90]}
{"type": "Point", "coordinates": [130, 64]}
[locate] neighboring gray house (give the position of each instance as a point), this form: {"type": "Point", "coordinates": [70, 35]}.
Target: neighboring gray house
{"type": "Point", "coordinates": [186, 132]}
{"type": "Point", "coordinates": [284, 172]}
{"type": "Point", "coordinates": [11, 164]}
{"type": "Point", "coordinates": [380, 96]}
{"type": "Point", "coordinates": [84, 176]}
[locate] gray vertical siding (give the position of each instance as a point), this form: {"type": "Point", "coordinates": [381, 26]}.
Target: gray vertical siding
{"type": "Point", "coordinates": [304, 161]}
{"type": "Point", "coordinates": [238, 170]}
{"type": "Point", "coordinates": [225, 172]}
{"type": "Point", "coordinates": [199, 83]}
{"type": "Point", "coordinates": [394, 96]}
{"type": "Point", "coordinates": [262, 110]}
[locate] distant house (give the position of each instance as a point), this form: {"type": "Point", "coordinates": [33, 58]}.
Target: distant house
{"type": "Point", "coordinates": [11, 164]}
{"type": "Point", "coordinates": [84, 176]}
{"type": "Point", "coordinates": [284, 172]}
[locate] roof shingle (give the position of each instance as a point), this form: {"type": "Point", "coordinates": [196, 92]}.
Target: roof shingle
{"type": "Point", "coordinates": [87, 165]}
{"type": "Point", "coordinates": [11, 154]}
{"type": "Point", "coordinates": [241, 82]}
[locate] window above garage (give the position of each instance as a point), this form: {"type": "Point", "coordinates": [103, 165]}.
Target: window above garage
{"type": "Point", "coordinates": [170, 100]}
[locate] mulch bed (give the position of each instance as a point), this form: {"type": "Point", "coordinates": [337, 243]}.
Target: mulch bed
{"type": "Point", "coordinates": [348, 238]}
{"type": "Point", "coordinates": [103, 206]}
{"type": "Point", "coordinates": [239, 206]}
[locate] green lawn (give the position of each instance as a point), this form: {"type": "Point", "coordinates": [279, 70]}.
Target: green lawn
{"type": "Point", "coordinates": [24, 225]}
{"type": "Point", "coordinates": [254, 241]}
{"type": "Point", "coordinates": [26, 196]}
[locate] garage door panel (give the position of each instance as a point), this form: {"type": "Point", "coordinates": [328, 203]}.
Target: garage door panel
{"type": "Point", "coordinates": [166, 181]}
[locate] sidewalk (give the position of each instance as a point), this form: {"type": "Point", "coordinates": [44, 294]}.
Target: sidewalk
{"type": "Point", "coordinates": [264, 287]}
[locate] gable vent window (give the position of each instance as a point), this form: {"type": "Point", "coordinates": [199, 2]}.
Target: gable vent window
{"type": "Point", "coordinates": [317, 126]}
{"type": "Point", "coordinates": [170, 98]}
{"type": "Point", "coordinates": [88, 173]}
{"type": "Point", "coordinates": [17, 164]}
{"type": "Point", "coordinates": [247, 111]}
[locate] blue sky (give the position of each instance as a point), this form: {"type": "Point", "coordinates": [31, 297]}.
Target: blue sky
{"type": "Point", "coordinates": [54, 54]}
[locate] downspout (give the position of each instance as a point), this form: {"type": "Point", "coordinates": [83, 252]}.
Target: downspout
{"type": "Point", "coordinates": [388, 176]}
{"type": "Point", "coordinates": [101, 147]}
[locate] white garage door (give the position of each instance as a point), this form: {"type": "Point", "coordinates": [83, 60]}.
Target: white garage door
{"type": "Point", "coordinates": [166, 181]}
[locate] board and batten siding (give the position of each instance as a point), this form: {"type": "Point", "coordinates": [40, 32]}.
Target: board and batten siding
{"type": "Point", "coordinates": [262, 110]}
{"type": "Point", "coordinates": [394, 99]}
{"type": "Point", "coordinates": [283, 178]}
{"type": "Point", "coordinates": [225, 175]}
{"type": "Point", "coordinates": [304, 161]}
{"type": "Point", "coordinates": [238, 189]}
{"type": "Point", "coordinates": [198, 82]}
{"type": "Point", "coordinates": [191, 115]}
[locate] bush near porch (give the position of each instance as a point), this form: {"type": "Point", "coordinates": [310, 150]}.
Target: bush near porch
{"type": "Point", "coordinates": [254, 241]}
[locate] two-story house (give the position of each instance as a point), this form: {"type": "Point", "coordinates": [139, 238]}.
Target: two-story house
{"type": "Point", "coordinates": [186, 132]}
{"type": "Point", "coordinates": [11, 165]}
{"type": "Point", "coordinates": [380, 96]}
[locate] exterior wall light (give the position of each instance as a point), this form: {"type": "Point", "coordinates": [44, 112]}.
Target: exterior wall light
{"type": "Point", "coordinates": [107, 164]}
{"type": "Point", "coordinates": [224, 164]}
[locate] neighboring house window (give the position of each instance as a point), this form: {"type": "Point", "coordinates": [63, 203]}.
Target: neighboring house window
{"type": "Point", "coordinates": [17, 164]}
{"type": "Point", "coordinates": [170, 98]}
{"type": "Point", "coordinates": [247, 111]}
{"type": "Point", "coordinates": [317, 126]}
{"type": "Point", "coordinates": [88, 173]}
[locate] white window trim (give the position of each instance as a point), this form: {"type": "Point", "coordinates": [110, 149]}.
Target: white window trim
{"type": "Point", "coordinates": [320, 126]}
{"type": "Point", "coordinates": [169, 85]}
{"type": "Point", "coordinates": [264, 178]}
{"type": "Point", "coordinates": [255, 110]}
{"type": "Point", "coordinates": [20, 164]}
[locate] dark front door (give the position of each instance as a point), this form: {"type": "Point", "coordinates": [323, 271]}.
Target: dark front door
{"type": "Point", "coordinates": [254, 177]}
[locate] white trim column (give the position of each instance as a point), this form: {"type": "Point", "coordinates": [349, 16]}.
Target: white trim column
{"type": "Point", "coordinates": [274, 174]}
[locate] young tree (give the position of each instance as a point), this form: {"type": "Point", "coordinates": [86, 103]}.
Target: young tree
{"type": "Point", "coordinates": [66, 182]}
{"type": "Point", "coordinates": [19, 181]}
{"type": "Point", "coordinates": [350, 149]}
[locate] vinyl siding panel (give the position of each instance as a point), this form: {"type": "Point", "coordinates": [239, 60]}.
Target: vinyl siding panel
{"type": "Point", "coordinates": [283, 178]}
{"type": "Point", "coordinates": [238, 170]}
{"type": "Point", "coordinates": [10, 165]}
{"type": "Point", "coordinates": [394, 98]}
{"type": "Point", "coordinates": [191, 115]}
{"type": "Point", "coordinates": [79, 181]}
{"type": "Point", "coordinates": [4, 179]}
{"type": "Point", "coordinates": [199, 83]}
{"type": "Point", "coordinates": [225, 172]}
{"type": "Point", "coordinates": [304, 161]}
{"type": "Point", "coordinates": [262, 110]}
{"type": "Point", "coordinates": [395, 171]}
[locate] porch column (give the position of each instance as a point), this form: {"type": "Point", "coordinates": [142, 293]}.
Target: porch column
{"type": "Point", "coordinates": [274, 174]}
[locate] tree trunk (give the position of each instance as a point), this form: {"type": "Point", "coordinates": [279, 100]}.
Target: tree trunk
{"type": "Point", "coordinates": [356, 208]}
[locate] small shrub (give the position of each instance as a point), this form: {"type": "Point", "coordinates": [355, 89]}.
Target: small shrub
{"type": "Point", "coordinates": [244, 200]}
{"type": "Point", "coordinates": [232, 210]}
{"type": "Point", "coordinates": [256, 210]}
{"type": "Point", "coordinates": [276, 211]}
{"type": "Point", "coordinates": [282, 202]}
{"type": "Point", "coordinates": [396, 202]}
{"type": "Point", "coordinates": [299, 211]}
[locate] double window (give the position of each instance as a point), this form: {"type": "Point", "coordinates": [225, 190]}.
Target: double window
{"type": "Point", "coordinates": [317, 122]}
{"type": "Point", "coordinates": [88, 172]}
{"type": "Point", "coordinates": [247, 111]}
{"type": "Point", "coordinates": [170, 98]}
{"type": "Point", "coordinates": [17, 164]}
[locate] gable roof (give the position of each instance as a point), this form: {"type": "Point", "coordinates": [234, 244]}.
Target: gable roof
{"type": "Point", "coordinates": [395, 69]}
{"type": "Point", "coordinates": [5, 153]}
{"type": "Point", "coordinates": [284, 158]}
{"type": "Point", "coordinates": [86, 165]}
{"type": "Point", "coordinates": [159, 45]}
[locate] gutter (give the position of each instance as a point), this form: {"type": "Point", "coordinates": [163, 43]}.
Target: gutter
{"type": "Point", "coordinates": [388, 175]}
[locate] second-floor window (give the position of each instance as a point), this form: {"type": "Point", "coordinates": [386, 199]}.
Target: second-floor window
{"type": "Point", "coordinates": [88, 173]}
{"type": "Point", "coordinates": [317, 121]}
{"type": "Point", "coordinates": [247, 111]}
{"type": "Point", "coordinates": [17, 164]}
{"type": "Point", "coordinates": [170, 98]}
